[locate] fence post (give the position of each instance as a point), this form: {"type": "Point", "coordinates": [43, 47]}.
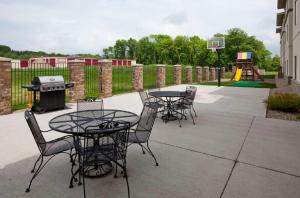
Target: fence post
{"type": "Point", "coordinates": [137, 80]}
{"type": "Point", "coordinates": [76, 68]}
{"type": "Point", "coordinates": [212, 73]}
{"type": "Point", "coordinates": [161, 76]}
{"type": "Point", "coordinates": [206, 73]}
{"type": "Point", "coordinates": [177, 74]}
{"type": "Point", "coordinates": [189, 74]}
{"type": "Point", "coordinates": [106, 78]}
{"type": "Point", "coordinates": [5, 86]}
{"type": "Point", "coordinates": [198, 74]}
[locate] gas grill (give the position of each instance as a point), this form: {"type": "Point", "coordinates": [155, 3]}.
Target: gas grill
{"type": "Point", "coordinates": [52, 91]}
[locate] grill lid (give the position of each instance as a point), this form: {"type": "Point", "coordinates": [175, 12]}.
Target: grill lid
{"type": "Point", "coordinates": [47, 79]}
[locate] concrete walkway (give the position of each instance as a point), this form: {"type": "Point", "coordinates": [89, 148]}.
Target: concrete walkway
{"type": "Point", "coordinates": [232, 151]}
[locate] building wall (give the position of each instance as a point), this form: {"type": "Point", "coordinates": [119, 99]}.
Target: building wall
{"type": "Point", "coordinates": [296, 40]}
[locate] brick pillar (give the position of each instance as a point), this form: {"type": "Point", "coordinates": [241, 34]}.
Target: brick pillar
{"type": "Point", "coordinates": [5, 86]}
{"type": "Point", "coordinates": [223, 71]}
{"type": "Point", "coordinates": [198, 74]}
{"type": "Point", "coordinates": [137, 80]}
{"type": "Point", "coordinates": [76, 68]}
{"type": "Point", "coordinates": [106, 78]}
{"type": "Point", "coordinates": [161, 76]}
{"type": "Point", "coordinates": [177, 74]}
{"type": "Point", "coordinates": [212, 74]}
{"type": "Point", "coordinates": [189, 74]}
{"type": "Point", "coordinates": [206, 73]}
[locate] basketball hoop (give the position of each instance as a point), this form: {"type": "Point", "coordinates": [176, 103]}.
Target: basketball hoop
{"type": "Point", "coordinates": [216, 43]}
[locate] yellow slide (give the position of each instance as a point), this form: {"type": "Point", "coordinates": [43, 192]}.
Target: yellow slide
{"type": "Point", "coordinates": [238, 74]}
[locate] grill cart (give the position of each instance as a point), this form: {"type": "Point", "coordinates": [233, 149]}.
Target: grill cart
{"type": "Point", "coordinates": [51, 90]}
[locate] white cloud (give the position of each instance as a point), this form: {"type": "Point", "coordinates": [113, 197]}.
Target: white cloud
{"type": "Point", "coordinates": [76, 26]}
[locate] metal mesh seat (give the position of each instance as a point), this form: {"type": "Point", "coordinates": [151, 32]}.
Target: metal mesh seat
{"type": "Point", "coordinates": [141, 133]}
{"type": "Point", "coordinates": [47, 149]}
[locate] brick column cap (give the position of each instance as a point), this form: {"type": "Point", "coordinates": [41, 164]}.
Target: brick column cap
{"type": "Point", "coordinates": [188, 67]}
{"type": "Point", "coordinates": [206, 66]}
{"type": "Point", "coordinates": [177, 65]}
{"type": "Point", "coordinates": [76, 61]}
{"type": "Point", "coordinates": [105, 61]}
{"type": "Point", "coordinates": [198, 66]}
{"type": "Point", "coordinates": [137, 65]}
{"type": "Point", "coordinates": [160, 65]}
{"type": "Point", "coordinates": [3, 59]}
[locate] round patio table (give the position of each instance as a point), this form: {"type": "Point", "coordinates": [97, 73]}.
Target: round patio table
{"type": "Point", "coordinates": [171, 113]}
{"type": "Point", "coordinates": [75, 123]}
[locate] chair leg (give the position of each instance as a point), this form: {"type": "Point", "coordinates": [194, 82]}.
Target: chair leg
{"type": "Point", "coordinates": [192, 116]}
{"type": "Point", "coordinates": [151, 153]}
{"type": "Point", "coordinates": [38, 159]}
{"type": "Point", "coordinates": [142, 148]}
{"type": "Point", "coordinates": [40, 167]}
{"type": "Point", "coordinates": [194, 110]}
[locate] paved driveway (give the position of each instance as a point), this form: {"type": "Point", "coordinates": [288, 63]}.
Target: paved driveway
{"type": "Point", "coordinates": [232, 151]}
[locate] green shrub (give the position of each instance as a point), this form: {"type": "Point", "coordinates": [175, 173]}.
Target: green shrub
{"type": "Point", "coordinates": [286, 102]}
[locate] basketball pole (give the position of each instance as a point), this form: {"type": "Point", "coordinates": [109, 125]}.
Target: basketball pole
{"type": "Point", "coordinates": [219, 66]}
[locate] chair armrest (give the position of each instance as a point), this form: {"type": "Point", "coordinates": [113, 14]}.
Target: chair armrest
{"type": "Point", "coordinates": [47, 130]}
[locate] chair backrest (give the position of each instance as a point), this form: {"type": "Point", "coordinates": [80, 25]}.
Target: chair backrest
{"type": "Point", "coordinates": [90, 105]}
{"type": "Point", "coordinates": [153, 89]}
{"type": "Point", "coordinates": [144, 96]}
{"type": "Point", "coordinates": [35, 130]}
{"type": "Point", "coordinates": [146, 122]}
{"type": "Point", "coordinates": [190, 95]}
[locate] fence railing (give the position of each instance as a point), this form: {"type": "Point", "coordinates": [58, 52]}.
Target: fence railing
{"type": "Point", "coordinates": [92, 74]}
{"type": "Point", "coordinates": [149, 75]}
{"type": "Point", "coordinates": [23, 76]}
{"type": "Point", "coordinates": [121, 79]}
{"type": "Point", "coordinates": [169, 75]}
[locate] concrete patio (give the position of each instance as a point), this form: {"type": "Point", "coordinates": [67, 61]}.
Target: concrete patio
{"type": "Point", "coordinates": [232, 151]}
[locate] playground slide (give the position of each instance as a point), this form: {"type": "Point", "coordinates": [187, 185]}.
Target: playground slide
{"type": "Point", "coordinates": [238, 74]}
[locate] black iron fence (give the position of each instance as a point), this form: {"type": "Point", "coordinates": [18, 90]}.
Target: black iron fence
{"type": "Point", "coordinates": [149, 75]}
{"type": "Point", "coordinates": [122, 79]}
{"type": "Point", "coordinates": [92, 80]}
{"type": "Point", "coordinates": [169, 75]}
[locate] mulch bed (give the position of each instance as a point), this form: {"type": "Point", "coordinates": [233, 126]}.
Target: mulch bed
{"type": "Point", "coordinates": [283, 115]}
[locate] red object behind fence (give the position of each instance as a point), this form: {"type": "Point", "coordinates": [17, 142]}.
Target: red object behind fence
{"type": "Point", "coordinates": [24, 63]}
{"type": "Point", "coordinates": [52, 62]}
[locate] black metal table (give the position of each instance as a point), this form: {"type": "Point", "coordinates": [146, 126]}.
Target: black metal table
{"type": "Point", "coordinates": [75, 123]}
{"type": "Point", "coordinates": [171, 113]}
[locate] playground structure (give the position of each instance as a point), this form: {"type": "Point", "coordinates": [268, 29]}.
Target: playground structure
{"type": "Point", "coordinates": [245, 69]}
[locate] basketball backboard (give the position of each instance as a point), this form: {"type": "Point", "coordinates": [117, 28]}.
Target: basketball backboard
{"type": "Point", "coordinates": [216, 43]}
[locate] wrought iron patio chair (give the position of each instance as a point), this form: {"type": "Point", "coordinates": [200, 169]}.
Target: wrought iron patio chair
{"type": "Point", "coordinates": [90, 105]}
{"type": "Point", "coordinates": [152, 102]}
{"type": "Point", "coordinates": [141, 134]}
{"type": "Point", "coordinates": [46, 148]}
{"type": "Point", "coordinates": [186, 103]}
{"type": "Point", "coordinates": [112, 142]}
{"type": "Point", "coordinates": [194, 89]}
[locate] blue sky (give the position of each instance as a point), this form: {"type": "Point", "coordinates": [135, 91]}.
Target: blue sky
{"type": "Point", "coordinates": [78, 26]}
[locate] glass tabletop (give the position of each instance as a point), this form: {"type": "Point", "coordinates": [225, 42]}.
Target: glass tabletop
{"type": "Point", "coordinates": [167, 93]}
{"type": "Point", "coordinates": [76, 122]}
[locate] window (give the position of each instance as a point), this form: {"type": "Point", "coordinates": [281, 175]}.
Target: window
{"type": "Point", "coordinates": [295, 67]}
